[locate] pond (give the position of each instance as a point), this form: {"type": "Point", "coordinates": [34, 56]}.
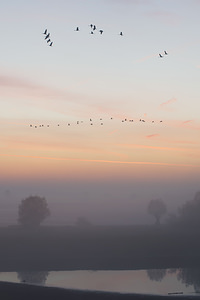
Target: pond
{"type": "Point", "coordinates": [156, 281]}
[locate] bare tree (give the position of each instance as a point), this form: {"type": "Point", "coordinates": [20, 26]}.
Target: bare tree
{"type": "Point", "coordinates": [32, 211]}
{"type": "Point", "coordinates": [157, 209]}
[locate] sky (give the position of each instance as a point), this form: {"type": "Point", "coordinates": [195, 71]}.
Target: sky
{"type": "Point", "coordinates": [99, 124]}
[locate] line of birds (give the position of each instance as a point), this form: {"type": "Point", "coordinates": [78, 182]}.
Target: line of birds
{"type": "Point", "coordinates": [47, 38]}
{"type": "Point", "coordinates": [94, 28]}
{"type": "Point", "coordinates": [92, 123]}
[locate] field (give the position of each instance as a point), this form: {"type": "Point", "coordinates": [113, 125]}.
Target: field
{"type": "Point", "coordinates": [97, 248]}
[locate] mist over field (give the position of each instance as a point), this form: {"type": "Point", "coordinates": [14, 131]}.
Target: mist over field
{"type": "Point", "coordinates": [120, 202]}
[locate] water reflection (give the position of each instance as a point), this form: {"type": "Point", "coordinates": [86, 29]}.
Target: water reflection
{"type": "Point", "coordinates": [34, 277]}
{"type": "Point", "coordinates": [188, 276]}
{"type": "Point", "coordinates": [154, 281]}
{"type": "Point", "coordinates": [156, 274]}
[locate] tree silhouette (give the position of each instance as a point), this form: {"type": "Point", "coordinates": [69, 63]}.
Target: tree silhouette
{"type": "Point", "coordinates": [189, 213]}
{"type": "Point", "coordinates": [32, 211]}
{"type": "Point", "coordinates": [157, 208]}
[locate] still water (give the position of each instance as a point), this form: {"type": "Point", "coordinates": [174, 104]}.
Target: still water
{"type": "Point", "coordinates": [159, 281]}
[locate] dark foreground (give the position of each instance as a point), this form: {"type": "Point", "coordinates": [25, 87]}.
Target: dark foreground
{"type": "Point", "coordinates": [98, 248]}
{"type": "Point", "coordinates": [15, 291]}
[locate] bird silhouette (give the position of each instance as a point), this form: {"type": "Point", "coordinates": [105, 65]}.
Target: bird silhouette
{"type": "Point", "coordinates": [51, 44]}
{"type": "Point", "coordinates": [91, 32]}
{"type": "Point", "coordinates": [47, 36]}
{"type": "Point", "coordinates": [77, 29]}
{"type": "Point", "coordinates": [165, 52]}
{"type": "Point", "coordinates": [121, 33]}
{"type": "Point", "coordinates": [48, 40]}
{"type": "Point", "coordinates": [45, 32]}
{"type": "Point", "coordinates": [101, 31]}
{"type": "Point", "coordinates": [94, 27]}
{"type": "Point", "coordinates": [160, 55]}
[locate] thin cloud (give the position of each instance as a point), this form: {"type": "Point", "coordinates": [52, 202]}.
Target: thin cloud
{"type": "Point", "coordinates": [188, 121]}
{"type": "Point", "coordinates": [130, 2]}
{"type": "Point", "coordinates": [166, 17]}
{"type": "Point", "coordinates": [146, 58]}
{"type": "Point", "coordinates": [30, 88]}
{"type": "Point", "coordinates": [191, 124]}
{"type": "Point", "coordinates": [152, 136]}
{"type": "Point", "coordinates": [167, 105]}
{"type": "Point", "coordinates": [103, 161]}
{"type": "Point", "coordinates": [186, 142]}
{"type": "Point", "coordinates": [151, 147]}
{"type": "Point", "coordinates": [33, 93]}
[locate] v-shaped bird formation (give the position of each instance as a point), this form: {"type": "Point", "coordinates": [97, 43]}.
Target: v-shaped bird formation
{"type": "Point", "coordinates": [93, 30]}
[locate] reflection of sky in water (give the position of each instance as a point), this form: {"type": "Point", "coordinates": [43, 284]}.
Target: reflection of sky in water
{"type": "Point", "coordinates": [119, 281]}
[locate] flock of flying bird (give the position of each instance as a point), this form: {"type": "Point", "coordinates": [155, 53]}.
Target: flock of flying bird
{"type": "Point", "coordinates": [47, 38]}
{"type": "Point", "coordinates": [162, 55]}
{"type": "Point", "coordinates": [93, 30]}
{"type": "Point", "coordinates": [93, 122]}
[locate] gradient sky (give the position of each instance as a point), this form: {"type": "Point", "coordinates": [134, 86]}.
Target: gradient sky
{"type": "Point", "coordinates": [117, 165]}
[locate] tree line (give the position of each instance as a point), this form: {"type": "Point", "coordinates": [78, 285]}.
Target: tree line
{"type": "Point", "coordinates": [33, 210]}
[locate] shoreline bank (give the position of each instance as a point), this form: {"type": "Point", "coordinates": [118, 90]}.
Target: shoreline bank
{"type": "Point", "coordinates": [10, 291]}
